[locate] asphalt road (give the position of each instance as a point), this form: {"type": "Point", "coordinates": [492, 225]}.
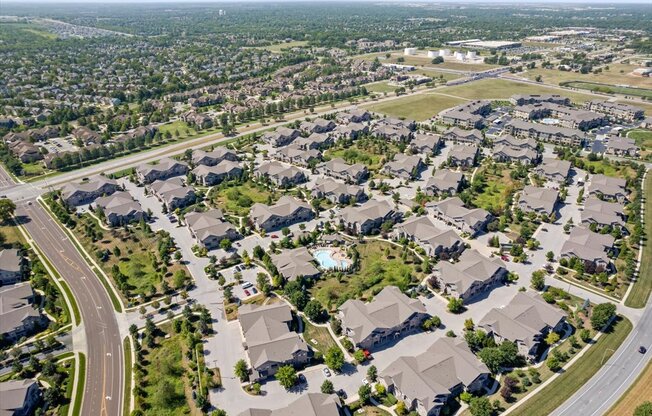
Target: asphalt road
{"type": "Point", "coordinates": [103, 391]}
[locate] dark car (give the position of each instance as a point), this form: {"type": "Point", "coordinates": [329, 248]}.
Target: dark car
{"type": "Point", "coordinates": [302, 379]}
{"type": "Point", "coordinates": [642, 349]}
{"type": "Point", "coordinates": [342, 394]}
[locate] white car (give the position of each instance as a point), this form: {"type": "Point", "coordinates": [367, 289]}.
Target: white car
{"type": "Point", "coordinates": [326, 372]}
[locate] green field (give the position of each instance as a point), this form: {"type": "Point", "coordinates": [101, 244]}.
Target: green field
{"type": "Point", "coordinates": [380, 87]}
{"type": "Point", "coordinates": [238, 199]}
{"type": "Point", "coordinates": [609, 88]}
{"type": "Point", "coordinates": [319, 334]}
{"type": "Point", "coordinates": [642, 137]}
{"type": "Point", "coordinates": [503, 89]}
{"type": "Point", "coordinates": [380, 265]}
{"type": "Point", "coordinates": [556, 393]}
{"type": "Point", "coordinates": [642, 288]}
{"type": "Point", "coordinates": [611, 76]}
{"type": "Point", "coordinates": [499, 186]}
{"type": "Point", "coordinates": [418, 107]}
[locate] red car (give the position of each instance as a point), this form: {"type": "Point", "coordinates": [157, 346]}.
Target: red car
{"type": "Point", "coordinates": [274, 236]}
{"type": "Point", "coordinates": [504, 258]}
{"type": "Point", "coordinates": [247, 292]}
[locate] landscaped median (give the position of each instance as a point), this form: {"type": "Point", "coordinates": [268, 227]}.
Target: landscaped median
{"type": "Point", "coordinates": [642, 288]}
{"type": "Point", "coordinates": [126, 403]}
{"type": "Point", "coordinates": [78, 396]}
{"type": "Point", "coordinates": [574, 377]}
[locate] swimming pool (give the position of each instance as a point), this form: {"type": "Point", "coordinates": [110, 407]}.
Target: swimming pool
{"type": "Point", "coordinates": [325, 259]}
{"type": "Point", "coordinates": [551, 121]}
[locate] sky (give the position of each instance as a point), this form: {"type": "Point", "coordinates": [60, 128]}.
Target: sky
{"type": "Point", "coordinates": [529, 2]}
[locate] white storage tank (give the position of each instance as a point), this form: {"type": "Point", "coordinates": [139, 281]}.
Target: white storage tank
{"type": "Point", "coordinates": [471, 55]}
{"type": "Point", "coordinates": [433, 54]}
{"type": "Point", "coordinates": [459, 56]}
{"type": "Point", "coordinates": [444, 52]}
{"type": "Point", "coordinates": [410, 51]}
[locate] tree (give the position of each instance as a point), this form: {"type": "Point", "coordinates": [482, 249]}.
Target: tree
{"type": "Point", "coordinates": [480, 406]}
{"type": "Point", "coordinates": [334, 358]}
{"type": "Point", "coordinates": [359, 356]}
{"type": "Point", "coordinates": [241, 371]}
{"type": "Point", "coordinates": [287, 376]}
{"type": "Point", "coordinates": [492, 358]}
{"type": "Point", "coordinates": [225, 244]}
{"type": "Point", "coordinates": [468, 324]}
{"type": "Point", "coordinates": [552, 338]}
{"type": "Point", "coordinates": [455, 305]}
{"type": "Point", "coordinates": [364, 392]}
{"type": "Point", "coordinates": [218, 412]}
{"type": "Point", "coordinates": [644, 409]}
{"type": "Point", "coordinates": [7, 209]}
{"type": "Point", "coordinates": [553, 363]}
{"type": "Point", "coordinates": [372, 374]}
{"type": "Point", "coordinates": [314, 311]}
{"type": "Point", "coordinates": [538, 280]}
{"type": "Point", "coordinates": [327, 387]}
{"type": "Point", "coordinates": [602, 314]}
{"type": "Point", "coordinates": [550, 256]}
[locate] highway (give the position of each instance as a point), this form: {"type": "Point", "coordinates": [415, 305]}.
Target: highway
{"type": "Point", "coordinates": [101, 342]}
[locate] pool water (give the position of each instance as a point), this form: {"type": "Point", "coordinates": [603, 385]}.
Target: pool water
{"type": "Point", "coordinates": [326, 260]}
{"type": "Point", "coordinates": [550, 121]}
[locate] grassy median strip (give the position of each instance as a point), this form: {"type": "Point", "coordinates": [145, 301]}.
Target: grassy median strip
{"type": "Point", "coordinates": [79, 394]}
{"type": "Point", "coordinates": [126, 404]}
{"type": "Point", "coordinates": [76, 314]}
{"type": "Point", "coordinates": [117, 305]}
{"type": "Point", "coordinates": [643, 286]}
{"type": "Point", "coordinates": [564, 386]}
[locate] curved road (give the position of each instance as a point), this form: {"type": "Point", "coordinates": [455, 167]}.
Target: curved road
{"type": "Point", "coordinates": [100, 341]}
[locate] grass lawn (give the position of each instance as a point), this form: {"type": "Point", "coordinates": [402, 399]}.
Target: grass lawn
{"type": "Point", "coordinates": [498, 187]}
{"type": "Point", "coordinates": [419, 107]}
{"type": "Point", "coordinates": [437, 74]}
{"type": "Point", "coordinates": [642, 137]}
{"type": "Point", "coordinates": [381, 87]}
{"type": "Point", "coordinates": [137, 259]}
{"type": "Point", "coordinates": [369, 155]}
{"type": "Point", "coordinates": [11, 234]}
{"type": "Point", "coordinates": [609, 168]}
{"type": "Point", "coordinates": [33, 169]}
{"type": "Point", "coordinates": [639, 392]}
{"type": "Point", "coordinates": [129, 366]}
{"type": "Point", "coordinates": [179, 125]}
{"type": "Point", "coordinates": [643, 286]}
{"type": "Point", "coordinates": [556, 393]}
{"type": "Point", "coordinates": [79, 394]}
{"type": "Point", "coordinates": [380, 265]}
{"type": "Point", "coordinates": [609, 88]}
{"type": "Point", "coordinates": [238, 199]}
{"type": "Point", "coordinates": [611, 76]}
{"type": "Point", "coordinates": [321, 335]}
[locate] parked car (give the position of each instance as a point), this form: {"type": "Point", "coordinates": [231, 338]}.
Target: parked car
{"type": "Point", "coordinates": [247, 292]}
{"type": "Point", "coordinates": [642, 349]}
{"type": "Point", "coordinates": [254, 290]}
{"type": "Point", "coordinates": [274, 236]}
{"type": "Point", "coordinates": [326, 372]}
{"type": "Point", "coordinates": [302, 379]}
{"type": "Point", "coordinates": [342, 394]}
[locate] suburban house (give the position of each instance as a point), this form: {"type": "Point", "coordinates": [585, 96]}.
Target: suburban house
{"type": "Point", "coordinates": [603, 214]}
{"type": "Point", "coordinates": [509, 154]}
{"type": "Point", "coordinates": [209, 228]}
{"type": "Point", "coordinates": [470, 276]}
{"type": "Point", "coordinates": [520, 99]}
{"type": "Point", "coordinates": [391, 132]}
{"type": "Point", "coordinates": [287, 211]}
{"type": "Point", "coordinates": [389, 316]}
{"type": "Point", "coordinates": [511, 141]}
{"type": "Point", "coordinates": [19, 397]}
{"type": "Point", "coordinates": [297, 156]}
{"type": "Point", "coordinates": [198, 120]}
{"type": "Point", "coordinates": [339, 169]}
{"type": "Point", "coordinates": [460, 136]}
{"type": "Point", "coordinates": [281, 174]}
{"type": "Point", "coordinates": [355, 115]}
{"type": "Point", "coordinates": [368, 217]}
{"type": "Point", "coordinates": [608, 188]}
{"type": "Point", "coordinates": [425, 143]}
{"type": "Point", "coordinates": [295, 263]}
{"type": "Point", "coordinates": [19, 316]}
{"type": "Point", "coordinates": [463, 155]}
{"type": "Point", "coordinates": [337, 192]}
{"type": "Point", "coordinates": [616, 111]}
{"type": "Point", "coordinates": [120, 208]}
{"type": "Point", "coordinates": [209, 175]}
{"type": "Point", "coordinates": [164, 169]}
{"type": "Point", "coordinates": [218, 154]}
{"type": "Point", "coordinates": [445, 181]}
{"type": "Point", "coordinates": [173, 193]}
{"type": "Point", "coordinates": [318, 125]}
{"type": "Point", "coordinates": [426, 382]}
{"type": "Point", "coordinates": [436, 242]}
{"type": "Point", "coordinates": [308, 404]}
{"type": "Point", "coordinates": [74, 194]}
{"type": "Point", "coordinates": [622, 146]}
{"type": "Point", "coordinates": [592, 248]}
{"type": "Point", "coordinates": [538, 200]}
{"type": "Point", "coordinates": [11, 266]}
{"type": "Point", "coordinates": [546, 132]}
{"type": "Point", "coordinates": [282, 136]}
{"type": "Point", "coordinates": [269, 341]}
{"type": "Point", "coordinates": [469, 115]}
{"type": "Point", "coordinates": [404, 166]}
{"type": "Point", "coordinates": [566, 116]}
{"type": "Point", "coordinates": [453, 212]}
{"type": "Point", "coordinates": [350, 131]}
{"type": "Point", "coordinates": [554, 170]}
{"type": "Point", "coordinates": [25, 151]}
{"type": "Point", "coordinates": [316, 141]}
{"type": "Point", "coordinates": [526, 320]}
